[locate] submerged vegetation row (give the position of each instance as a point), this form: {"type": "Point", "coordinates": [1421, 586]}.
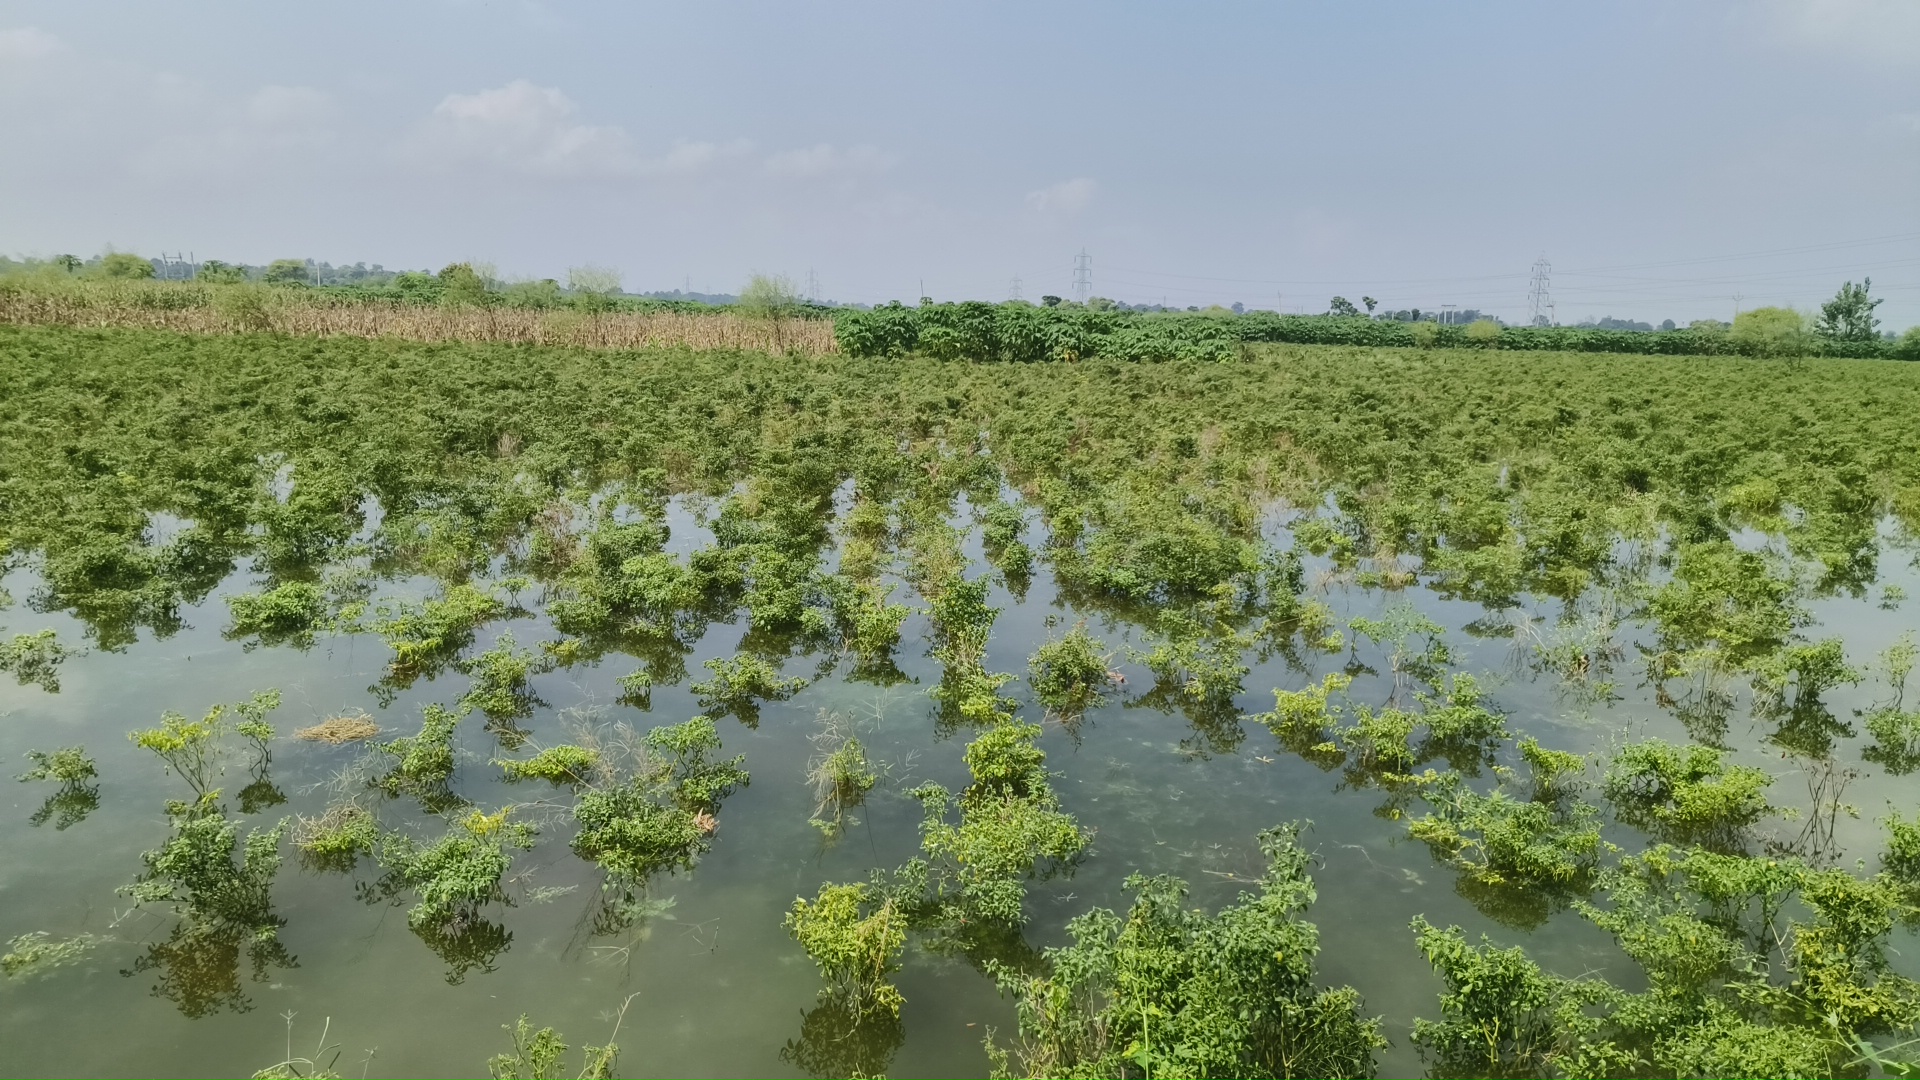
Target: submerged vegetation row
{"type": "Point", "coordinates": [1181, 503]}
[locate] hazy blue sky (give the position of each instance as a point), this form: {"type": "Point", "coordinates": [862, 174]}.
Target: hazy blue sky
{"type": "Point", "coordinates": [1665, 157]}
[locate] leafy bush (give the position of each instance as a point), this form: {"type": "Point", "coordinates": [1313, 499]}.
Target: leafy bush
{"type": "Point", "coordinates": [423, 634]}
{"type": "Point", "coordinates": [1688, 793]}
{"type": "Point", "coordinates": [855, 935]}
{"type": "Point", "coordinates": [500, 679]}
{"type": "Point", "coordinates": [741, 683]}
{"type": "Point", "coordinates": [1171, 992]}
{"type": "Point", "coordinates": [1010, 822]}
{"type": "Point", "coordinates": [455, 876]}
{"type": "Point", "coordinates": [662, 817]}
{"type": "Point", "coordinates": [67, 765]}
{"type": "Point", "coordinates": [1068, 673]}
{"type": "Point", "coordinates": [288, 612]}
{"type": "Point", "coordinates": [425, 760]}
{"type": "Point", "coordinates": [556, 764]}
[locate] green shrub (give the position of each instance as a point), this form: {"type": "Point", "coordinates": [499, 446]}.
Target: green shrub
{"type": "Point", "coordinates": [556, 764]}
{"type": "Point", "coordinates": [288, 612]}
{"type": "Point", "coordinates": [855, 935]}
{"type": "Point", "coordinates": [1010, 823]}
{"type": "Point", "coordinates": [741, 683]}
{"type": "Point", "coordinates": [1168, 991]}
{"type": "Point", "coordinates": [1068, 673]}
{"type": "Point", "coordinates": [1688, 793]}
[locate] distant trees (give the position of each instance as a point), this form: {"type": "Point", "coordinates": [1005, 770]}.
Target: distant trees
{"type": "Point", "coordinates": [286, 272]}
{"type": "Point", "coordinates": [1849, 315]}
{"type": "Point", "coordinates": [121, 264]}
{"type": "Point", "coordinates": [1342, 307]}
{"type": "Point", "coordinates": [1049, 301]}
{"type": "Point", "coordinates": [216, 272]}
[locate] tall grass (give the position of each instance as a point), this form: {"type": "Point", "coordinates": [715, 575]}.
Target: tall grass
{"type": "Point", "coordinates": [193, 307]}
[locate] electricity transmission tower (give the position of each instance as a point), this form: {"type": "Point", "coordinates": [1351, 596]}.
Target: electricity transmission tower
{"type": "Point", "coordinates": [1539, 295]}
{"type": "Point", "coordinates": [813, 285]}
{"type": "Point", "coordinates": [1013, 291]}
{"type": "Point", "coordinates": [1082, 276]}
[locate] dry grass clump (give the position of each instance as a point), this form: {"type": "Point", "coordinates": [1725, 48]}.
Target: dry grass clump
{"type": "Point", "coordinates": [190, 307]}
{"type": "Point", "coordinates": [342, 729]}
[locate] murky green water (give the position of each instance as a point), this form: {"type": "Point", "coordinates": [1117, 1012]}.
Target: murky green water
{"type": "Point", "coordinates": [716, 986]}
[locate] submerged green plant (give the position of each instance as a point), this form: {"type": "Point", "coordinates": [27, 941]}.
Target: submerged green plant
{"type": "Point", "coordinates": [67, 765]}
{"type": "Point", "coordinates": [1010, 825]}
{"type": "Point", "coordinates": [38, 953]}
{"type": "Point", "coordinates": [1686, 793]}
{"type": "Point", "coordinates": [537, 1055]}
{"type": "Point", "coordinates": [425, 634]}
{"type": "Point", "coordinates": [338, 837]}
{"type": "Point", "coordinates": [741, 683]}
{"type": "Point", "coordinates": [425, 762]}
{"type": "Point", "coordinates": [557, 765]}
{"type": "Point", "coordinates": [453, 877]}
{"type": "Point", "coordinates": [75, 798]}
{"type": "Point", "coordinates": [499, 676]}
{"type": "Point", "coordinates": [289, 612]}
{"type": "Point", "coordinates": [1167, 991]}
{"type": "Point", "coordinates": [855, 935]}
{"type": "Point", "coordinates": [1068, 673]}
{"type": "Point", "coordinates": [663, 817]}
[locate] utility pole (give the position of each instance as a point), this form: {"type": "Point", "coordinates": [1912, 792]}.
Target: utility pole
{"type": "Point", "coordinates": [1539, 292]}
{"type": "Point", "coordinates": [1082, 276]}
{"type": "Point", "coordinates": [1736, 307]}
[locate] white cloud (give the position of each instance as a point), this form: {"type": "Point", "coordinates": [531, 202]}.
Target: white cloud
{"type": "Point", "coordinates": [28, 43]}
{"type": "Point", "coordinates": [825, 159]}
{"type": "Point", "coordinates": [1066, 197]}
{"type": "Point", "coordinates": [1881, 31]}
{"type": "Point", "coordinates": [527, 128]}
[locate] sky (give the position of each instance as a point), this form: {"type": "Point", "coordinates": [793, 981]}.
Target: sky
{"type": "Point", "coordinates": [1664, 160]}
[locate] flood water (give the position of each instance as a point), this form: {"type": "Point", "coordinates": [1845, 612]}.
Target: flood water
{"type": "Point", "coordinates": [716, 988]}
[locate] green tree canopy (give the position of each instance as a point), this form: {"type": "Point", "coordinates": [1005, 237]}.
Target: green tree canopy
{"type": "Point", "coordinates": [121, 264]}
{"type": "Point", "coordinates": [1849, 315]}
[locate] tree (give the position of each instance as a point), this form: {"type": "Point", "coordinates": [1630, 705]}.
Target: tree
{"type": "Point", "coordinates": [1049, 301]}
{"type": "Point", "coordinates": [219, 273]}
{"type": "Point", "coordinates": [1909, 345]}
{"type": "Point", "coordinates": [1342, 306]}
{"type": "Point", "coordinates": [71, 262]}
{"type": "Point", "coordinates": [1370, 302]}
{"type": "Point", "coordinates": [601, 281]}
{"type": "Point", "coordinates": [287, 272]}
{"type": "Point", "coordinates": [462, 285]}
{"type": "Point", "coordinates": [768, 296]}
{"type": "Point", "coordinates": [1849, 315]}
{"type": "Point", "coordinates": [121, 264]}
{"type": "Point", "coordinates": [1770, 331]}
